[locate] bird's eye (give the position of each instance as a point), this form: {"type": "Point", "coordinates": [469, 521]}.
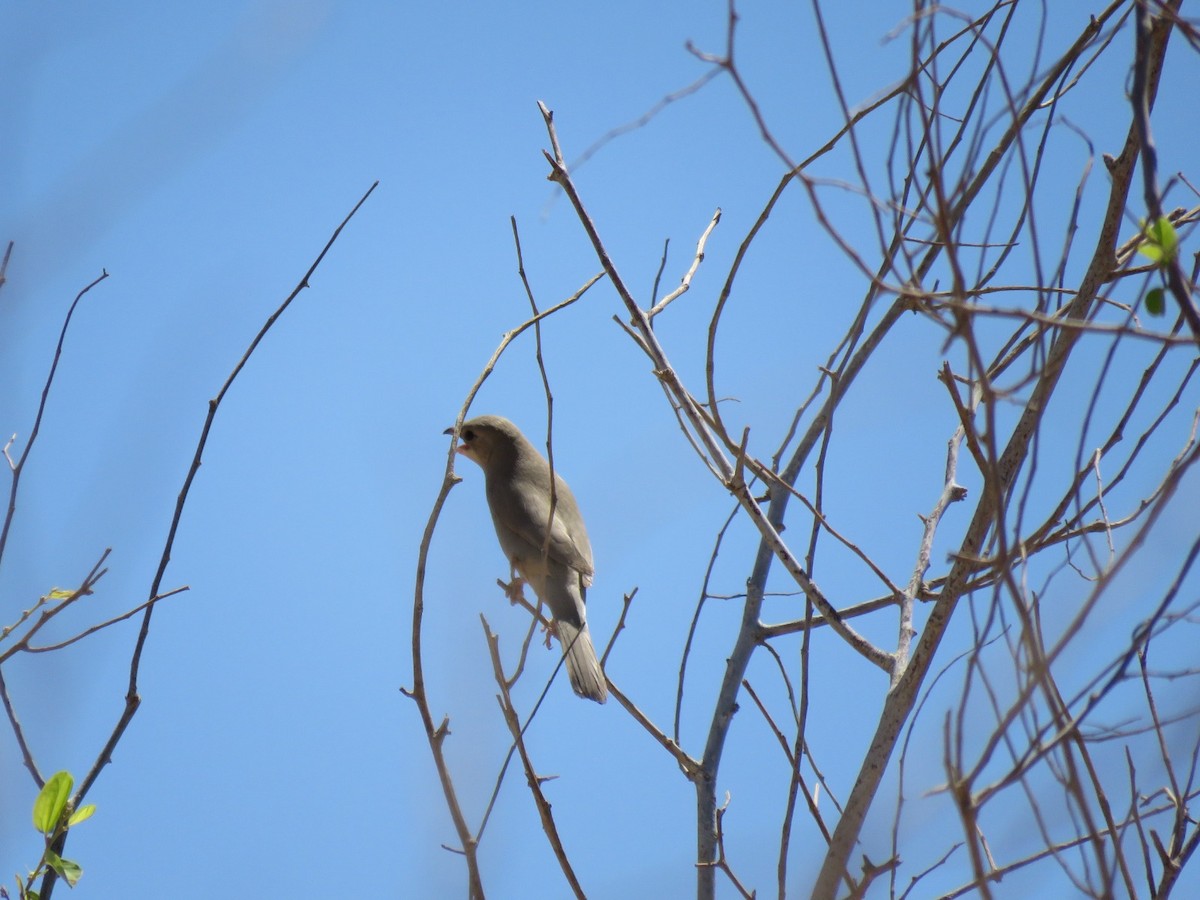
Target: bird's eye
{"type": "Point", "coordinates": [468, 436]}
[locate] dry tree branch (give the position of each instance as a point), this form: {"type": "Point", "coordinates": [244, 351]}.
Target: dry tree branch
{"type": "Point", "coordinates": [695, 622]}
{"type": "Point", "coordinates": [1059, 320]}
{"type": "Point", "coordinates": [848, 373]}
{"type": "Point", "coordinates": [1060, 710]}
{"type": "Point", "coordinates": [775, 730]}
{"type": "Point", "coordinates": [645, 118]}
{"type": "Point", "coordinates": [1056, 528]}
{"type": "Point", "coordinates": [507, 339]}
{"type": "Point", "coordinates": [700, 428]}
{"type": "Point", "coordinates": [864, 352]}
{"type": "Point", "coordinates": [952, 492]}
{"type": "Point", "coordinates": [531, 777]}
{"type": "Point", "coordinates": [1048, 738]}
{"type": "Point", "coordinates": [690, 767]}
{"type": "Point", "coordinates": [19, 466]}
{"type": "Point", "coordinates": [4, 263]}
{"type": "Point", "coordinates": [513, 593]}
{"type": "Point", "coordinates": [662, 265]}
{"type": "Point", "coordinates": [797, 626]}
{"type": "Point", "coordinates": [102, 625]}
{"type": "Point", "coordinates": [795, 754]}
{"type": "Point", "coordinates": [1039, 747]}
{"type": "Point", "coordinates": [1000, 872]}
{"type": "Point", "coordinates": [721, 862]}
{"type": "Point", "coordinates": [901, 700]}
{"type": "Point", "coordinates": [49, 609]}
{"type": "Point", "coordinates": [626, 602]}
{"type": "Point", "coordinates": [1181, 845]}
{"type": "Point", "coordinates": [797, 785]}
{"type": "Point", "coordinates": [938, 197]}
{"type": "Point", "coordinates": [512, 748]}
{"type": "Point", "coordinates": [19, 732]}
{"type": "Point", "coordinates": [541, 365]}
{"type": "Point", "coordinates": [768, 525]}
{"type": "Point", "coordinates": [849, 369]}
{"type": "Point", "coordinates": [132, 699]}
{"type": "Point", "coordinates": [685, 283]}
{"type": "Point", "coordinates": [1145, 83]}
{"type": "Point", "coordinates": [821, 522]}
{"type": "Point", "coordinates": [85, 589]}
{"type": "Point", "coordinates": [436, 734]}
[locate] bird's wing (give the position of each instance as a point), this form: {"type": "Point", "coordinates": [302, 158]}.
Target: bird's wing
{"type": "Point", "coordinates": [531, 510]}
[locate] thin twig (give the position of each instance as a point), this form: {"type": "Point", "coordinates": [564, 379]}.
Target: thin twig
{"type": "Point", "coordinates": [686, 282]}
{"type": "Point", "coordinates": [18, 467]}
{"type": "Point", "coordinates": [435, 734]}
{"type": "Point", "coordinates": [531, 777]}
{"type": "Point", "coordinates": [132, 699]}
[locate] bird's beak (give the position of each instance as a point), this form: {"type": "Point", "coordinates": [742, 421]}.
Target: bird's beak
{"type": "Point", "coordinates": [461, 448]}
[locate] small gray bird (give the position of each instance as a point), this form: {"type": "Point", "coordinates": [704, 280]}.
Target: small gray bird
{"type": "Point", "coordinates": [559, 570]}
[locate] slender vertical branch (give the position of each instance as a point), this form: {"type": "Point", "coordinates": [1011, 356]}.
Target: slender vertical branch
{"type": "Point", "coordinates": [903, 696]}
{"type": "Point", "coordinates": [16, 468]}
{"type": "Point", "coordinates": [532, 779]}
{"type": "Point", "coordinates": [132, 698]}
{"type": "Point", "coordinates": [436, 735]}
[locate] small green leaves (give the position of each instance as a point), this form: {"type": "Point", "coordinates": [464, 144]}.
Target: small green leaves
{"type": "Point", "coordinates": [68, 871]}
{"type": "Point", "coordinates": [1155, 304]}
{"type": "Point", "coordinates": [81, 814]}
{"type": "Point", "coordinates": [52, 816]}
{"type": "Point", "coordinates": [66, 593]}
{"type": "Point", "coordinates": [1160, 245]}
{"type": "Point", "coordinates": [50, 803]}
{"type": "Point", "coordinates": [1160, 242]}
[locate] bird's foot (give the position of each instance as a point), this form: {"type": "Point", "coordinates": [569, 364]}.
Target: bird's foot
{"type": "Point", "coordinates": [514, 590]}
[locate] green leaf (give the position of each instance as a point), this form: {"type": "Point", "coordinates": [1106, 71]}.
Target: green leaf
{"type": "Point", "coordinates": [50, 803]}
{"type": "Point", "coordinates": [1164, 234]}
{"type": "Point", "coordinates": [59, 594]}
{"type": "Point", "coordinates": [1160, 241]}
{"type": "Point", "coordinates": [1155, 305]}
{"type": "Point", "coordinates": [68, 871]}
{"type": "Point", "coordinates": [81, 814]}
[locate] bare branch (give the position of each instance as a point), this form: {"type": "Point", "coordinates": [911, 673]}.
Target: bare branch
{"type": "Point", "coordinates": [132, 700]}
{"type": "Point", "coordinates": [531, 777]}
{"type": "Point", "coordinates": [686, 282]}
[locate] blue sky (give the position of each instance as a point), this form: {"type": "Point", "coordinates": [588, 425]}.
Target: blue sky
{"type": "Point", "coordinates": [202, 156]}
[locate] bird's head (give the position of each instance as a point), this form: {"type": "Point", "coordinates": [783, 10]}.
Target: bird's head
{"type": "Point", "coordinates": [488, 440]}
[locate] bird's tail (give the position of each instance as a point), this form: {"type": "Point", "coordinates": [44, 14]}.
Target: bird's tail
{"type": "Point", "coordinates": [583, 668]}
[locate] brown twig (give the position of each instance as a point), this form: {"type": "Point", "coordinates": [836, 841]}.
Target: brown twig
{"type": "Point", "coordinates": [1145, 83]}
{"type": "Point", "coordinates": [626, 602]}
{"type": "Point", "coordinates": [689, 766]}
{"type": "Point", "coordinates": [102, 625]}
{"type": "Point", "coordinates": [532, 779]}
{"type": "Point", "coordinates": [19, 466]}
{"type": "Point", "coordinates": [436, 734]}
{"type": "Point", "coordinates": [49, 608]}
{"type": "Point", "coordinates": [685, 283]}
{"type": "Point", "coordinates": [721, 862]}
{"type": "Point", "coordinates": [19, 732]}
{"type": "Point", "coordinates": [132, 699]}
